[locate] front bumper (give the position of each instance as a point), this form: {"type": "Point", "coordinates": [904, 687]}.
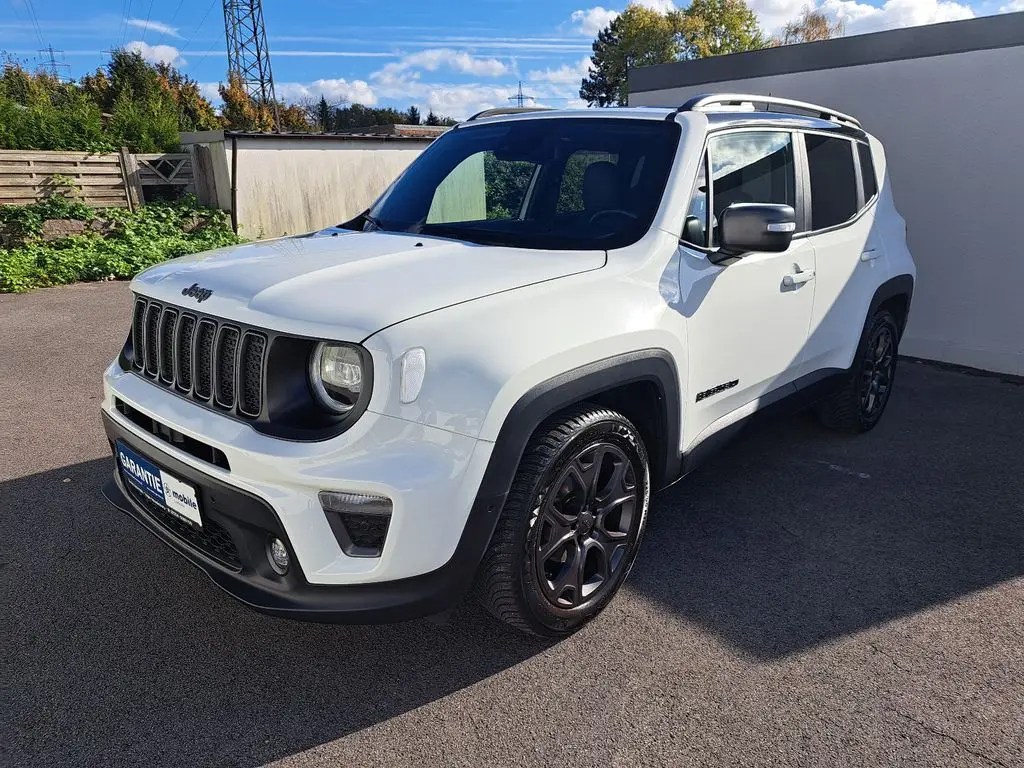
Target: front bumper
{"type": "Point", "coordinates": [250, 521]}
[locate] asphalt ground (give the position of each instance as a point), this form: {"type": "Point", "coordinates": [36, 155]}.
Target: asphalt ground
{"type": "Point", "coordinates": [802, 599]}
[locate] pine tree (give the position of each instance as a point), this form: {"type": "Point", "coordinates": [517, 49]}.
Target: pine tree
{"type": "Point", "coordinates": [323, 116]}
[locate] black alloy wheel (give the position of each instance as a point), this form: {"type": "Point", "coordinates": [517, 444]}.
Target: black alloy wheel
{"type": "Point", "coordinates": [858, 404]}
{"type": "Point", "coordinates": [572, 523]}
{"type": "Point", "coordinates": [878, 372]}
{"type": "Point", "coordinates": [588, 521]}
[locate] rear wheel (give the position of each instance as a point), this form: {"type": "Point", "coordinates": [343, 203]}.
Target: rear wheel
{"type": "Point", "coordinates": [859, 405]}
{"type": "Point", "coordinates": [572, 524]}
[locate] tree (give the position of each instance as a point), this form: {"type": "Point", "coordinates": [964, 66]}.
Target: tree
{"type": "Point", "coordinates": [637, 37]}
{"type": "Point", "coordinates": [810, 26]}
{"type": "Point", "coordinates": [640, 36]}
{"type": "Point", "coordinates": [148, 104]}
{"type": "Point", "coordinates": [241, 112]}
{"type": "Point", "coordinates": [413, 116]}
{"type": "Point", "coordinates": [294, 118]}
{"type": "Point", "coordinates": [323, 116]}
{"type": "Point", "coordinates": [37, 111]}
{"type": "Point", "coordinates": [433, 119]}
{"type": "Point", "coordinates": [195, 112]}
{"type": "Point", "coordinates": [716, 27]}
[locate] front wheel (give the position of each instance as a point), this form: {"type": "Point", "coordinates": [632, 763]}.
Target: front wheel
{"type": "Point", "coordinates": [572, 524]}
{"type": "Point", "coordinates": [859, 405]}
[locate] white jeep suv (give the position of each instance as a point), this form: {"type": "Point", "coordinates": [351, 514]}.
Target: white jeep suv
{"type": "Point", "coordinates": [476, 384]}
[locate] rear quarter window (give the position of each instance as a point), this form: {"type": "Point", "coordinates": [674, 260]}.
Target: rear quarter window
{"type": "Point", "coordinates": [867, 172]}
{"type": "Point", "coordinates": [833, 180]}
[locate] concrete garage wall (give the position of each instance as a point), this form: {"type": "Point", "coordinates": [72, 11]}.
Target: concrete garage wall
{"type": "Point", "coordinates": [276, 184]}
{"type": "Point", "coordinates": [290, 186]}
{"type": "Point", "coordinates": [952, 126]}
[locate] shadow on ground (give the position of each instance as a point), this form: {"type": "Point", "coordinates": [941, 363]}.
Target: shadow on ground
{"type": "Point", "coordinates": [110, 627]}
{"type": "Point", "coordinates": [790, 538]}
{"type": "Point", "coordinates": [794, 536]}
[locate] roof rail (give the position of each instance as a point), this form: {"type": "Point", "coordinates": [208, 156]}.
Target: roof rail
{"type": "Point", "coordinates": [506, 111]}
{"type": "Point", "coordinates": [704, 100]}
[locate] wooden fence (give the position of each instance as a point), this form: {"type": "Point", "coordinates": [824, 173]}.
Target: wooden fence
{"type": "Point", "coordinates": [102, 181]}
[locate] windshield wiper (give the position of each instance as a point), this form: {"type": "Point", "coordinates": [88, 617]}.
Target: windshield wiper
{"type": "Point", "coordinates": [374, 221]}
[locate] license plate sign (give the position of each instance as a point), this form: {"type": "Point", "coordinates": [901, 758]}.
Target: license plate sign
{"type": "Point", "coordinates": [163, 488]}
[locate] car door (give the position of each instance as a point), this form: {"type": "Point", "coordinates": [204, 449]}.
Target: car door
{"type": "Point", "coordinates": [848, 247]}
{"type": "Point", "coordinates": [747, 318]}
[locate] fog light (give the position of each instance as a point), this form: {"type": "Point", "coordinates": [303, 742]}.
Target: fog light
{"type": "Point", "coordinates": [277, 554]}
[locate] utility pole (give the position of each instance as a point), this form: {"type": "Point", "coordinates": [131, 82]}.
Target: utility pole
{"type": "Point", "coordinates": [521, 98]}
{"type": "Point", "coordinates": [50, 63]}
{"type": "Point", "coordinates": [248, 54]}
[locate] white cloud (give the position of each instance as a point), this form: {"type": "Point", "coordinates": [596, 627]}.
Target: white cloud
{"type": "Point", "coordinates": [567, 74]}
{"type": "Point", "coordinates": [1016, 5]}
{"type": "Point", "coordinates": [167, 54]}
{"type": "Point", "coordinates": [592, 20]}
{"type": "Point", "coordinates": [210, 91]}
{"type": "Point", "coordinates": [860, 17]}
{"type": "Point", "coordinates": [662, 6]}
{"type": "Point", "coordinates": [153, 26]}
{"type": "Point", "coordinates": [434, 59]}
{"type": "Point", "coordinates": [335, 91]}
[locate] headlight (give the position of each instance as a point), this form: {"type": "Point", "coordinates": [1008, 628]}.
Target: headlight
{"type": "Point", "coordinates": [336, 373]}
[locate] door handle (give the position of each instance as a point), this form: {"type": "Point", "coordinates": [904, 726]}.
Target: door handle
{"type": "Point", "coordinates": [798, 278]}
{"type": "Point", "coordinates": [870, 254]}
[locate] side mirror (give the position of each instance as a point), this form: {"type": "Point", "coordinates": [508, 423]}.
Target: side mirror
{"type": "Point", "coordinates": [764, 227]}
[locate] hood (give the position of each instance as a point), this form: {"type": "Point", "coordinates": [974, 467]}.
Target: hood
{"type": "Point", "coordinates": [348, 285]}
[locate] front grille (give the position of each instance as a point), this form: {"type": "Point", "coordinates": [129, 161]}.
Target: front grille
{"type": "Point", "coordinates": [212, 539]}
{"type": "Point", "coordinates": [204, 358]}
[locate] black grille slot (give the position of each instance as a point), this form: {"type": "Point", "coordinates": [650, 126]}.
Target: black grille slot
{"type": "Point", "coordinates": [251, 396]}
{"type": "Point", "coordinates": [227, 357]}
{"type": "Point", "coordinates": [152, 339]}
{"type": "Point", "coordinates": [183, 345]}
{"type": "Point", "coordinates": [139, 335]}
{"type": "Point", "coordinates": [206, 332]}
{"type": "Point", "coordinates": [189, 445]}
{"type": "Point", "coordinates": [168, 321]}
{"type": "Point", "coordinates": [199, 357]}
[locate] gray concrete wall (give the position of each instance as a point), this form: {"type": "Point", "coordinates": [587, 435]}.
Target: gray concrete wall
{"type": "Point", "coordinates": [291, 186]}
{"type": "Point", "coordinates": [952, 127]}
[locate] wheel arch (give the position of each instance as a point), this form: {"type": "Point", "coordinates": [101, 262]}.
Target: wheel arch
{"type": "Point", "coordinates": [642, 385]}
{"type": "Point", "coordinates": [894, 294]}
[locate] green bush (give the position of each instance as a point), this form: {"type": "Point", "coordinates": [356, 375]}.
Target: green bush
{"type": "Point", "coordinates": [130, 243]}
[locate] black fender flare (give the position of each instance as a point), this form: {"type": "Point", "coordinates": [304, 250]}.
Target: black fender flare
{"type": "Point", "coordinates": [545, 399]}
{"type": "Point", "coordinates": [900, 285]}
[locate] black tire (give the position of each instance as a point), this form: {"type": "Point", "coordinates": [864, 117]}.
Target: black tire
{"type": "Point", "coordinates": [560, 514]}
{"type": "Point", "coordinates": [858, 406]}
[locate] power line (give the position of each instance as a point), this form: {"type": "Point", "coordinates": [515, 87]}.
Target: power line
{"type": "Point", "coordinates": [35, 21]}
{"type": "Point", "coordinates": [202, 21]}
{"type": "Point", "coordinates": [149, 14]}
{"type": "Point", "coordinates": [124, 26]}
{"type": "Point", "coordinates": [169, 23]}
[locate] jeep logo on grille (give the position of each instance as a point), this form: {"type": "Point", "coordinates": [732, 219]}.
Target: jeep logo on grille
{"type": "Point", "coordinates": [197, 293]}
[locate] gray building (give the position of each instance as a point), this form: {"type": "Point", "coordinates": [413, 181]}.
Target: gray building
{"type": "Point", "coordinates": [947, 101]}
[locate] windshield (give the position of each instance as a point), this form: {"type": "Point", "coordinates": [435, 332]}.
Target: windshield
{"type": "Point", "coordinates": [565, 183]}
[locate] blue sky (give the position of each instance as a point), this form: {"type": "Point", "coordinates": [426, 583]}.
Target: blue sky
{"type": "Point", "coordinates": [452, 56]}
